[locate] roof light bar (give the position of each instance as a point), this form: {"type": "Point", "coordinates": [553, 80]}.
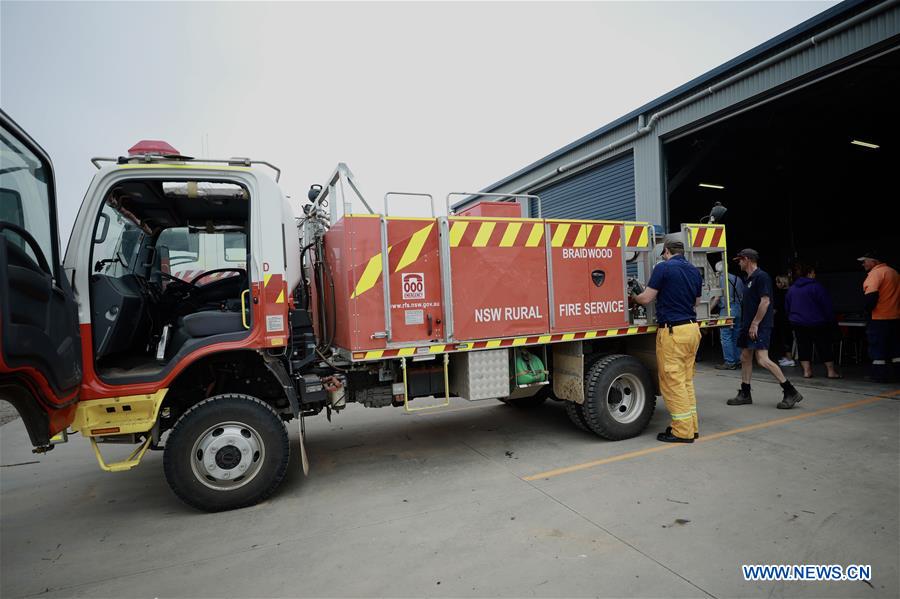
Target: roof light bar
{"type": "Point", "coordinates": [864, 144]}
{"type": "Point", "coordinates": [711, 186]}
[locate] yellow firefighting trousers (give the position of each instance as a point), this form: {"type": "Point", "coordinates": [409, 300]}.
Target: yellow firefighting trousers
{"type": "Point", "coordinates": [676, 355]}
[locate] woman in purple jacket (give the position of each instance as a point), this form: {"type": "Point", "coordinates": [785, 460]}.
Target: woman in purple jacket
{"type": "Point", "coordinates": [809, 310]}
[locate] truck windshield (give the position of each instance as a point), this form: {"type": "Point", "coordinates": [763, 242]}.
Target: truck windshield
{"type": "Point", "coordinates": [186, 252]}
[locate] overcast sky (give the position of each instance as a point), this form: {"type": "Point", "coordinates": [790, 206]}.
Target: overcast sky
{"type": "Point", "coordinates": [432, 97]}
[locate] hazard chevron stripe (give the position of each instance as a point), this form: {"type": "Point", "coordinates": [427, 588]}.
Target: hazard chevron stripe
{"type": "Point", "coordinates": [707, 237]}
{"type": "Point", "coordinates": [463, 346]}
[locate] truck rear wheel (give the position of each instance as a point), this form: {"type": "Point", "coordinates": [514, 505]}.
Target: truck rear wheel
{"type": "Point", "coordinates": [575, 412]}
{"type": "Point", "coordinates": [226, 452]}
{"type": "Point", "coordinates": [619, 397]}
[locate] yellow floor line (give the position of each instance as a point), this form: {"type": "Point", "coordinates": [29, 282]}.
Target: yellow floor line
{"type": "Point", "coordinates": [705, 438]}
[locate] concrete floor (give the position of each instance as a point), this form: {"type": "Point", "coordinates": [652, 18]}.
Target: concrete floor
{"type": "Point", "coordinates": [447, 503]}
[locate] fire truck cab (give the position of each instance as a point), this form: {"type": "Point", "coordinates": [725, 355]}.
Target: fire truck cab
{"type": "Point", "coordinates": [173, 290]}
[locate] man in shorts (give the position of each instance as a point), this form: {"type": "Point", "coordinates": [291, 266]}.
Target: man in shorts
{"type": "Point", "coordinates": [755, 334]}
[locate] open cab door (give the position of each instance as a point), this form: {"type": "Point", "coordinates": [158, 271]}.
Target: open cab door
{"type": "Point", "coordinates": [40, 344]}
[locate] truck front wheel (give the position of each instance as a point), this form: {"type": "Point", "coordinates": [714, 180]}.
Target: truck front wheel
{"type": "Point", "coordinates": [619, 397]}
{"type": "Point", "coordinates": [226, 452]}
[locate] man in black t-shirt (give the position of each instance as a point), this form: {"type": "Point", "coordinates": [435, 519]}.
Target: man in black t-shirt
{"type": "Point", "coordinates": [757, 322]}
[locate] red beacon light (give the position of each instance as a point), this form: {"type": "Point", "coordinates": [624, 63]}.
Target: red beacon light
{"type": "Point", "coordinates": [153, 147]}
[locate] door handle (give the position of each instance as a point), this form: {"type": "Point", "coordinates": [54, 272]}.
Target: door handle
{"type": "Point", "coordinates": [430, 327]}
{"type": "Point", "coordinates": [244, 294]}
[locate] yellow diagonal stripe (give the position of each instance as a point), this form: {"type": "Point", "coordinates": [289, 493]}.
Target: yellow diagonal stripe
{"type": "Point", "coordinates": [544, 339]}
{"type": "Point", "coordinates": [559, 236]}
{"type": "Point", "coordinates": [436, 349]}
{"type": "Point", "coordinates": [484, 234]}
{"type": "Point", "coordinates": [629, 229]}
{"type": "Point", "coordinates": [493, 344]}
{"type": "Point", "coordinates": [700, 237]}
{"type": "Point", "coordinates": [370, 275]}
{"type": "Point", "coordinates": [280, 299]}
{"type": "Point", "coordinates": [406, 351]}
{"type": "Point", "coordinates": [568, 336]}
{"type": "Point", "coordinates": [509, 236]}
{"type": "Point", "coordinates": [642, 242]}
{"type": "Point", "coordinates": [583, 232]}
{"type": "Point", "coordinates": [457, 231]}
{"type": "Point", "coordinates": [605, 234]}
{"type": "Point", "coordinates": [414, 247]}
{"type": "Point", "coordinates": [710, 235]}
{"type": "Point", "coordinates": [374, 355]}
{"type": "Point", "coordinates": [519, 341]}
{"type": "Point", "coordinates": [266, 278]}
{"type": "Point", "coordinates": [534, 238]}
{"type": "Point", "coordinates": [590, 334]}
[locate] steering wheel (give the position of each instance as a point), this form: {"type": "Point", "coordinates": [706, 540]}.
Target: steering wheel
{"type": "Point", "coordinates": [240, 271]}
{"type": "Point", "coordinates": [175, 279]}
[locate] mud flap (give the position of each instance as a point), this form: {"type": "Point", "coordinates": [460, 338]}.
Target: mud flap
{"type": "Point", "coordinates": [303, 459]}
{"type": "Point", "coordinates": [568, 371]}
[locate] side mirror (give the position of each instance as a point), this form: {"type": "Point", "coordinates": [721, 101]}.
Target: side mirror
{"type": "Point", "coordinates": [102, 229]}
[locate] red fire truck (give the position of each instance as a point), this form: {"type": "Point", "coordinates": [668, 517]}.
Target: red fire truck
{"type": "Point", "coordinates": [282, 318]}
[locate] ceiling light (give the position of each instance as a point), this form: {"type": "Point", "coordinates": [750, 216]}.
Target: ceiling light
{"type": "Point", "coordinates": [864, 144]}
{"type": "Point", "coordinates": [712, 186]}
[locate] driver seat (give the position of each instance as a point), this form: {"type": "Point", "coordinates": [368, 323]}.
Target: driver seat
{"type": "Point", "coordinates": [203, 324]}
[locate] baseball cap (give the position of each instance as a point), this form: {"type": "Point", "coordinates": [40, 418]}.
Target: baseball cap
{"type": "Point", "coordinates": [748, 253]}
{"type": "Point", "coordinates": [871, 255]}
{"type": "Point", "coordinates": [672, 243]}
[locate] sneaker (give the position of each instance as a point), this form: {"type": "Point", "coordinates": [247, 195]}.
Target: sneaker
{"type": "Point", "coordinates": [727, 366]}
{"type": "Point", "coordinates": [740, 399]}
{"type": "Point", "coordinates": [784, 363]}
{"type": "Point", "coordinates": [789, 400]}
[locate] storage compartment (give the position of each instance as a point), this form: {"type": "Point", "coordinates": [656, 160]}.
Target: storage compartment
{"type": "Point", "coordinates": [480, 375]}
{"type": "Point", "coordinates": [494, 210]}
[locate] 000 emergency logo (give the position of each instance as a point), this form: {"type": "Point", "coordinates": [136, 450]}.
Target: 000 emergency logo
{"type": "Point", "coordinates": [413, 285]}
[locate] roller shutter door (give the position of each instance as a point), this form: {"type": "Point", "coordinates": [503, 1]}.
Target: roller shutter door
{"type": "Point", "coordinates": [602, 193]}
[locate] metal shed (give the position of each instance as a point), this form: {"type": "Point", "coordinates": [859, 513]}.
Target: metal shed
{"type": "Point", "coordinates": [622, 170]}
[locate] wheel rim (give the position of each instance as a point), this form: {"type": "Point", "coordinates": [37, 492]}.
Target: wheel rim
{"type": "Point", "coordinates": [625, 398]}
{"type": "Point", "coordinates": [227, 456]}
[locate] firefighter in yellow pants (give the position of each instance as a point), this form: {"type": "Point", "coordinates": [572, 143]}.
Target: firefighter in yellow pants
{"type": "Point", "coordinates": [676, 353]}
{"type": "Point", "coordinates": [675, 285]}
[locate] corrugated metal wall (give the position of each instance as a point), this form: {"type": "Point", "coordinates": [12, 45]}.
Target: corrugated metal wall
{"type": "Point", "coordinates": [647, 178]}
{"type": "Point", "coordinates": [602, 193]}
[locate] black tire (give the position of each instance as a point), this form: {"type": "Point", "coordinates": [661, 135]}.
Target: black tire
{"type": "Point", "coordinates": [252, 435]}
{"type": "Point", "coordinates": [632, 398]}
{"type": "Point", "coordinates": [575, 413]}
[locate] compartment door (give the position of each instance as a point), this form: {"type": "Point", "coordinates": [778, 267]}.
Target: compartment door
{"type": "Point", "coordinates": [416, 292]}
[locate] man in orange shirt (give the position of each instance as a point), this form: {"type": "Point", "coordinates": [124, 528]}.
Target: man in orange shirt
{"type": "Point", "coordinates": [882, 297]}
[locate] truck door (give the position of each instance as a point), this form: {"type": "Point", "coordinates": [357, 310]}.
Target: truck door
{"type": "Point", "coordinates": [40, 344]}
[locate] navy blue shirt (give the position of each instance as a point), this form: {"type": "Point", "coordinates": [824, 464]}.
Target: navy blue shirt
{"type": "Point", "coordinates": [678, 284]}
{"type": "Point", "coordinates": [757, 285]}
